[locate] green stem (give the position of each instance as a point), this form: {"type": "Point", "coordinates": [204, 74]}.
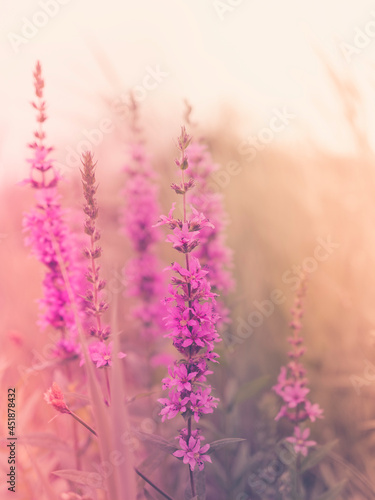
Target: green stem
{"type": "Point", "coordinates": [82, 422]}
{"type": "Point", "coordinates": [297, 493]}
{"type": "Point", "coordinates": [189, 292]}
{"type": "Point", "coordinates": [192, 482]}
{"type": "Point", "coordinates": [162, 493]}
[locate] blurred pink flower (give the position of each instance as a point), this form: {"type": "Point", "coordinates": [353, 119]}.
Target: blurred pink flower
{"type": "Point", "coordinates": [313, 411]}
{"type": "Point", "coordinates": [143, 271]}
{"type": "Point", "coordinates": [295, 394]}
{"type": "Point", "coordinates": [292, 382]}
{"type": "Point", "coordinates": [213, 251]}
{"type": "Point", "coordinates": [101, 354]}
{"type": "Point", "coordinates": [300, 442]}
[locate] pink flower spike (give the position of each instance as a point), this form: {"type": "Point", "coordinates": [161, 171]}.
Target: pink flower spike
{"type": "Point", "coordinates": [191, 323]}
{"type": "Point", "coordinates": [51, 240]}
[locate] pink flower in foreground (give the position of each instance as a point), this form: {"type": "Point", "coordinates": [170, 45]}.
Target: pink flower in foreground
{"type": "Point", "coordinates": [55, 397]}
{"type": "Point", "coordinates": [192, 453]}
{"type": "Point", "coordinates": [300, 442]}
{"type": "Point", "coordinates": [191, 320]}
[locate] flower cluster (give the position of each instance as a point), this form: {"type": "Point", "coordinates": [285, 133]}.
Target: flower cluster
{"type": "Point", "coordinates": [50, 239]}
{"type": "Point", "coordinates": [143, 270]}
{"type": "Point", "coordinates": [292, 383]}
{"type": "Point", "coordinates": [212, 251]}
{"type": "Point", "coordinates": [100, 351]}
{"type": "Point", "coordinates": [191, 321]}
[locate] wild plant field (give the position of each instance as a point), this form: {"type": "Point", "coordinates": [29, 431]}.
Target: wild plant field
{"type": "Point", "coordinates": [187, 311]}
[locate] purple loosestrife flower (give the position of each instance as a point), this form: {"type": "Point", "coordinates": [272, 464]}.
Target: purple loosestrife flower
{"type": "Point", "coordinates": [212, 250]}
{"type": "Point", "coordinates": [144, 269]}
{"type": "Point", "coordinates": [193, 453]}
{"type": "Point", "coordinates": [50, 240]}
{"type": "Point", "coordinates": [292, 384]}
{"type": "Point", "coordinates": [300, 442]}
{"type": "Point", "coordinates": [100, 351]}
{"type": "Point", "coordinates": [101, 354]}
{"type": "Point", "coordinates": [191, 320]}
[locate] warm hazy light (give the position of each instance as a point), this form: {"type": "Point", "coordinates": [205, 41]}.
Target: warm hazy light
{"type": "Point", "coordinates": [255, 56]}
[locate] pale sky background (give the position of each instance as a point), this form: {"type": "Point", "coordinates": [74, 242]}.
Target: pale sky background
{"type": "Point", "coordinates": [258, 55]}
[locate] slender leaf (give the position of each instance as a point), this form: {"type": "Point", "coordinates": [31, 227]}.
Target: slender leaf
{"type": "Point", "coordinates": [333, 492]}
{"type": "Point", "coordinates": [156, 440]}
{"type": "Point", "coordinates": [220, 443]}
{"type": "Point", "coordinates": [317, 455]}
{"type": "Point", "coordinates": [43, 440]}
{"type": "Point", "coordinates": [92, 479]}
{"type": "Point", "coordinates": [96, 396]}
{"type": "Point", "coordinates": [125, 475]}
{"type": "Point", "coordinates": [141, 395]}
{"type": "Point", "coordinates": [103, 425]}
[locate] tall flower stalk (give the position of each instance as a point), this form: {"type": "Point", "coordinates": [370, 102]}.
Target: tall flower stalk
{"type": "Point", "coordinates": [143, 271]}
{"type": "Point", "coordinates": [191, 320]}
{"type": "Point", "coordinates": [212, 252]}
{"type": "Point", "coordinates": [292, 387]}
{"type": "Point", "coordinates": [50, 239]}
{"type": "Point", "coordinates": [100, 350]}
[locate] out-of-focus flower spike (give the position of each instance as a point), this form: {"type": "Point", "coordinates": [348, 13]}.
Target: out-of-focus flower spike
{"type": "Point", "coordinates": [143, 271]}
{"type": "Point", "coordinates": [292, 383]}
{"type": "Point", "coordinates": [100, 351]}
{"type": "Point", "coordinates": [213, 251]}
